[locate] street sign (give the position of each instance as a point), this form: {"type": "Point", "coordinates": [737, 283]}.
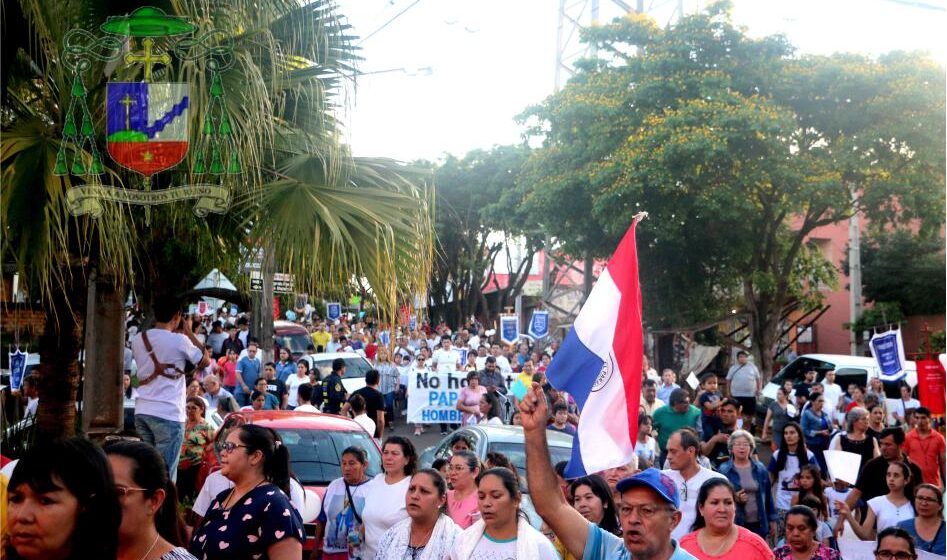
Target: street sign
{"type": "Point", "coordinates": [282, 283]}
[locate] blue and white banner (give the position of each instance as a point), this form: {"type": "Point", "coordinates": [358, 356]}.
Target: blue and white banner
{"type": "Point", "coordinates": [17, 369]}
{"type": "Point", "coordinates": [413, 323]}
{"type": "Point", "coordinates": [463, 356]}
{"type": "Point", "coordinates": [384, 338]}
{"type": "Point", "coordinates": [888, 350]}
{"type": "Point", "coordinates": [509, 328]}
{"type": "Point", "coordinates": [333, 311]}
{"type": "Point", "coordinates": [539, 324]}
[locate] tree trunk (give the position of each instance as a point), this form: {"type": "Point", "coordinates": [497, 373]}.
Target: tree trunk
{"type": "Point", "coordinates": [59, 366]}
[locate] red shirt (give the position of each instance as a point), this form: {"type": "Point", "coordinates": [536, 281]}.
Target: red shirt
{"type": "Point", "coordinates": [748, 546]}
{"type": "Point", "coordinates": [230, 372]}
{"type": "Point", "coordinates": [926, 453]}
{"type": "Point", "coordinates": [371, 350]}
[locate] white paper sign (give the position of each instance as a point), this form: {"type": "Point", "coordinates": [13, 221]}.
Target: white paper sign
{"type": "Point", "coordinates": [693, 381]}
{"type": "Point", "coordinates": [843, 465]}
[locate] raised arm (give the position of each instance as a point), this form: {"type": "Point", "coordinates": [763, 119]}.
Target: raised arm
{"type": "Point", "coordinates": [568, 524]}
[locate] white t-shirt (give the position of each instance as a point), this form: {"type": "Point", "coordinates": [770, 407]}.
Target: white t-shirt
{"type": "Point", "coordinates": [901, 407]}
{"type": "Point", "coordinates": [887, 514]}
{"type": "Point", "coordinates": [339, 516]}
{"type": "Point", "coordinates": [292, 388]}
{"type": "Point", "coordinates": [743, 379]}
{"type": "Point", "coordinates": [384, 506]}
{"type": "Point", "coordinates": [162, 397]}
{"type": "Point", "coordinates": [689, 497]}
{"type": "Point", "coordinates": [217, 483]}
{"type": "Point", "coordinates": [504, 365]}
{"type": "Point", "coordinates": [32, 403]}
{"type": "Point", "coordinates": [787, 481]}
{"type": "Point", "coordinates": [490, 549]}
{"type": "Point", "coordinates": [833, 496]}
{"type": "Point", "coordinates": [366, 423]}
{"type": "Point", "coordinates": [306, 408]}
{"type": "Point", "coordinates": [647, 451]}
{"type": "Point", "coordinates": [446, 360]}
{"type": "Point", "coordinates": [831, 392]}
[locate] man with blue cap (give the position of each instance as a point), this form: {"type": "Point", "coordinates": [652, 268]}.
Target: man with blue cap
{"type": "Point", "coordinates": [648, 508]}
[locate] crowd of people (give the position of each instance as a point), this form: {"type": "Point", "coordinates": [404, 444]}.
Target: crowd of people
{"type": "Point", "coordinates": [698, 485]}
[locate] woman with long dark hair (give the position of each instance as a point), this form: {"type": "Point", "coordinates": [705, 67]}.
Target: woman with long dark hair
{"type": "Point", "coordinates": [591, 496]}
{"type": "Point", "coordinates": [62, 503]}
{"type": "Point", "coordinates": [151, 527]}
{"type": "Point", "coordinates": [784, 468]}
{"type": "Point", "coordinates": [198, 437]}
{"type": "Point", "coordinates": [884, 511]}
{"type": "Point", "coordinates": [490, 410]}
{"type": "Point", "coordinates": [254, 518]}
{"type": "Point", "coordinates": [715, 532]}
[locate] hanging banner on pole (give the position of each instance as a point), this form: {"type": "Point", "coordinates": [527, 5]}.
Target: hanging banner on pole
{"type": "Point", "coordinates": [413, 323]}
{"type": "Point", "coordinates": [888, 350]}
{"type": "Point", "coordinates": [930, 385]}
{"type": "Point", "coordinates": [17, 369]}
{"type": "Point", "coordinates": [333, 311]}
{"type": "Point", "coordinates": [509, 328]}
{"type": "Point", "coordinates": [539, 324]}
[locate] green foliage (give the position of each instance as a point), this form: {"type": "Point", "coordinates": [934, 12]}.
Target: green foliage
{"type": "Point", "coordinates": [739, 150]}
{"type": "Point", "coordinates": [478, 214]}
{"type": "Point", "coordinates": [880, 316]}
{"type": "Point", "coordinates": [902, 267]}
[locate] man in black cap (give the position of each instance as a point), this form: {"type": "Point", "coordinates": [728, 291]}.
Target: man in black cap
{"type": "Point", "coordinates": [333, 392]}
{"type": "Point", "coordinates": [649, 507]}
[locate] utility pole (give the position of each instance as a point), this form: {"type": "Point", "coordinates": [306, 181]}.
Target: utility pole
{"type": "Point", "coordinates": [854, 272]}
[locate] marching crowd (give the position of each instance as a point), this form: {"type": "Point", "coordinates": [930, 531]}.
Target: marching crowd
{"type": "Point", "coordinates": [697, 486]}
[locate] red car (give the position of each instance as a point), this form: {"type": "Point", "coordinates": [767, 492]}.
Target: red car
{"type": "Point", "coordinates": [315, 442]}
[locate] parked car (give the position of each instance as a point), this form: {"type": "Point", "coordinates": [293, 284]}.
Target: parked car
{"type": "Point", "coordinates": [315, 442]}
{"type": "Point", "coordinates": [356, 366]}
{"type": "Point", "coordinates": [848, 369]}
{"type": "Point", "coordinates": [292, 336]}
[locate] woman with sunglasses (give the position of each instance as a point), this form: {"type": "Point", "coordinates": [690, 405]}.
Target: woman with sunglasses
{"type": "Point", "coordinates": [255, 518]}
{"type": "Point", "coordinates": [151, 528]}
{"type": "Point", "coordinates": [927, 527]}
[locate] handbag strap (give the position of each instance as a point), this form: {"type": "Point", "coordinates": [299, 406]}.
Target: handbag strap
{"type": "Point", "coordinates": [348, 492]}
{"type": "Point", "coordinates": [160, 369]}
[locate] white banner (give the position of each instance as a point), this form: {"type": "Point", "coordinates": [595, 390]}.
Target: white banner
{"type": "Point", "coordinates": [432, 397]}
{"type": "Point", "coordinates": [843, 465]}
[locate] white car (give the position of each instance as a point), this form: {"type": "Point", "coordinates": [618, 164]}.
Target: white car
{"type": "Point", "coordinates": [356, 366]}
{"type": "Point", "coordinates": [848, 369]}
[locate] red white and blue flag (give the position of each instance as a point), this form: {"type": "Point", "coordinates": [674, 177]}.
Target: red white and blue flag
{"type": "Point", "coordinates": [599, 364]}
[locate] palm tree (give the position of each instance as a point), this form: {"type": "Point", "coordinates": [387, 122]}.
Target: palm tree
{"type": "Point", "coordinates": [329, 218]}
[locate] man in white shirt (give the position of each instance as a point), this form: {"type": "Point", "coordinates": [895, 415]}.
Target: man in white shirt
{"type": "Point", "coordinates": [161, 354]}
{"type": "Point", "coordinates": [832, 392]}
{"type": "Point", "coordinates": [683, 448]}
{"type": "Point", "coordinates": [303, 396]}
{"type": "Point", "coordinates": [502, 362]}
{"type": "Point", "coordinates": [446, 359]}
{"type": "Point", "coordinates": [744, 382]}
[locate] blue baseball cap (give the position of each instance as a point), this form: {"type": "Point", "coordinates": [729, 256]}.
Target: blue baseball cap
{"type": "Point", "coordinates": [655, 480]}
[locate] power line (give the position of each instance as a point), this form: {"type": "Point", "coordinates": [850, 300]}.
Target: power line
{"type": "Point", "coordinates": [384, 25]}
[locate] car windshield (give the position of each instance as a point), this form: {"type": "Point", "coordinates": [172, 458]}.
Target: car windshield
{"type": "Point", "coordinates": [295, 343]}
{"type": "Point", "coordinates": [315, 455]}
{"type": "Point", "coordinates": [354, 367]}
{"type": "Point", "coordinates": [516, 453]}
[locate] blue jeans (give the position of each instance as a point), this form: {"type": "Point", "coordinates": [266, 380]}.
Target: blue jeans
{"type": "Point", "coordinates": [165, 435]}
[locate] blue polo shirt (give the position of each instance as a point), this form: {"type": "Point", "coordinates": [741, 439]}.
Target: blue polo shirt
{"type": "Point", "coordinates": [602, 545]}
{"type": "Point", "coordinates": [249, 369]}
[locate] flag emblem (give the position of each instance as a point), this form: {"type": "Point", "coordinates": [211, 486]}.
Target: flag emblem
{"type": "Point", "coordinates": [147, 125]}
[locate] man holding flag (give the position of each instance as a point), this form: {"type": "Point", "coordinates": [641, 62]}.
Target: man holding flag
{"type": "Point", "coordinates": [600, 365]}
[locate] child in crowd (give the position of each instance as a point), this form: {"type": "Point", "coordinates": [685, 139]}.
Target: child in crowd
{"type": "Point", "coordinates": [838, 492]}
{"type": "Point", "coordinates": [646, 448]}
{"type": "Point", "coordinates": [810, 484]}
{"type": "Point", "coordinates": [708, 401]}
{"type": "Point", "coordinates": [823, 533]}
